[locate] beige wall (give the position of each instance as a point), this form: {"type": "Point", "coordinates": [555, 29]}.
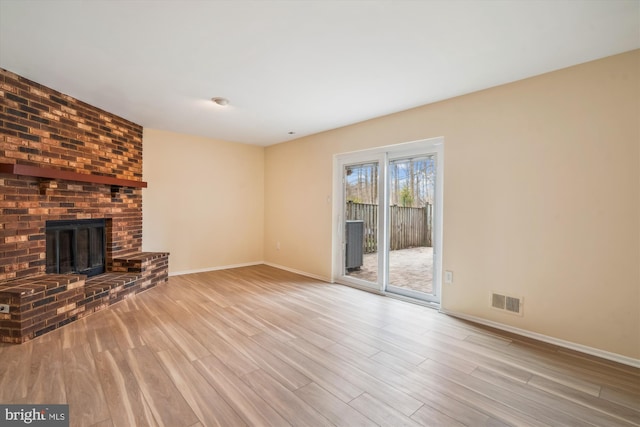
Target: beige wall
{"type": "Point", "coordinates": [541, 199]}
{"type": "Point", "coordinates": [205, 201]}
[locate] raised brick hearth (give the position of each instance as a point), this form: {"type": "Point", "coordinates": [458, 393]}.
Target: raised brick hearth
{"type": "Point", "coordinates": [39, 304]}
{"type": "Point", "coordinates": [62, 159]}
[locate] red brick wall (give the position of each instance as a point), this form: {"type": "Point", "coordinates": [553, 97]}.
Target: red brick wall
{"type": "Point", "coordinates": [42, 127]}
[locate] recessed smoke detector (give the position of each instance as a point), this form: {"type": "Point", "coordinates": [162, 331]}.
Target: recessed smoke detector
{"type": "Point", "coordinates": [291, 132]}
{"type": "Point", "coordinates": [223, 102]}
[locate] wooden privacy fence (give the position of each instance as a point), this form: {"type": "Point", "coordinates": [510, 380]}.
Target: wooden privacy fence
{"type": "Point", "coordinates": [409, 227]}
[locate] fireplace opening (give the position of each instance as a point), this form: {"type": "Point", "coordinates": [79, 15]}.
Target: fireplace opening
{"type": "Point", "coordinates": [76, 246]}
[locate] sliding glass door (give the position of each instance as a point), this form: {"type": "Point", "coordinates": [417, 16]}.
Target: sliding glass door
{"type": "Point", "coordinates": [361, 223]}
{"type": "Point", "coordinates": [387, 210]}
{"type": "Point", "coordinates": [410, 244]}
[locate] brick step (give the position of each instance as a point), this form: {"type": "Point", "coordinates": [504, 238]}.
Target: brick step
{"type": "Point", "coordinates": [137, 262]}
{"type": "Point", "coordinates": [104, 289]}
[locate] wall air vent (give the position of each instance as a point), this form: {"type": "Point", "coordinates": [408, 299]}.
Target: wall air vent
{"type": "Point", "coordinates": [506, 303]}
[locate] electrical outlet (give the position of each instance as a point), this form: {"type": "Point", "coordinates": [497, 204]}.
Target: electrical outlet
{"type": "Point", "coordinates": [278, 245]}
{"type": "Point", "coordinates": [4, 308]}
{"type": "Point", "coordinates": [448, 277]}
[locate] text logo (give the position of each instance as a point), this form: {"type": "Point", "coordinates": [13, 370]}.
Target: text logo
{"type": "Point", "coordinates": [34, 415]}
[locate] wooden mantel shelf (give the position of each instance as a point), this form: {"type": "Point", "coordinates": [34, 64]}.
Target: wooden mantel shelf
{"type": "Point", "coordinates": [50, 173]}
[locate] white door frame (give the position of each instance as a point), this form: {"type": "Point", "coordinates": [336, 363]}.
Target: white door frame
{"type": "Point", "coordinates": [383, 155]}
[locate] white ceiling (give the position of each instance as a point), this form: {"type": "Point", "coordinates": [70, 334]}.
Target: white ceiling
{"type": "Point", "coordinates": [304, 66]}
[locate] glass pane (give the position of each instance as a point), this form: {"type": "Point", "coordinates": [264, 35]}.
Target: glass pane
{"type": "Point", "coordinates": [411, 190]}
{"type": "Point", "coordinates": [52, 252]}
{"type": "Point", "coordinates": [361, 225]}
{"type": "Point", "coordinates": [97, 246]}
{"type": "Point", "coordinates": [65, 244]}
{"type": "Point", "coordinates": [83, 249]}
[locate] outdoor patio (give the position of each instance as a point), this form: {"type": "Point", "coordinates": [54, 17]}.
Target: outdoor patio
{"type": "Point", "coordinates": [408, 268]}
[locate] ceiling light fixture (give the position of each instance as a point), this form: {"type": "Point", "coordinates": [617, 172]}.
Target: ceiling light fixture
{"type": "Point", "coordinates": [223, 102]}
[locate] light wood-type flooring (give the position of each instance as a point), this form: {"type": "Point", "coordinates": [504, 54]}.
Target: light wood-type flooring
{"type": "Point", "coordinates": [260, 346]}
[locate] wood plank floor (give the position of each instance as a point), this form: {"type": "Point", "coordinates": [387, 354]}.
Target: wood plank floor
{"type": "Point", "coordinates": [259, 346]}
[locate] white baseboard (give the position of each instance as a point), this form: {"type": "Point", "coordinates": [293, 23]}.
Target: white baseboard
{"type": "Point", "coordinates": [302, 273]}
{"type": "Point", "coordinates": [625, 360]}
{"type": "Point", "coordinates": [222, 267]}
{"type": "Point", "coordinates": [249, 264]}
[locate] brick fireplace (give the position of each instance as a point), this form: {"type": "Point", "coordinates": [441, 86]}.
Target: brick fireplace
{"type": "Point", "coordinates": [64, 160]}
